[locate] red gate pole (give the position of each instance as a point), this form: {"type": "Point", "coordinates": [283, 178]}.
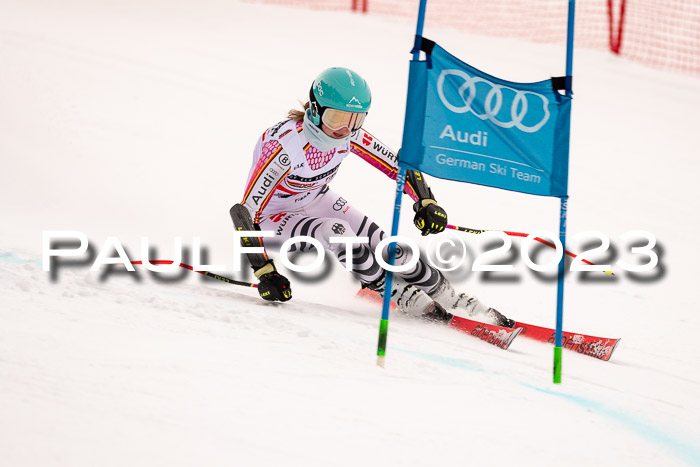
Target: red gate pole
{"type": "Point", "coordinates": [615, 42]}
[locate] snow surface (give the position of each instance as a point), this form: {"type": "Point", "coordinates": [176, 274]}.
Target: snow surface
{"type": "Point", "coordinates": [134, 119]}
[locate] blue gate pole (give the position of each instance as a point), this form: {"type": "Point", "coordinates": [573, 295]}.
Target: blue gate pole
{"type": "Point", "coordinates": [560, 291]}
{"type": "Point", "coordinates": [563, 206]}
{"type": "Point", "coordinates": [400, 182]}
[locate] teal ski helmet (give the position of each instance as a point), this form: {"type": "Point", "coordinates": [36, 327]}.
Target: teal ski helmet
{"type": "Point", "coordinates": [341, 89]}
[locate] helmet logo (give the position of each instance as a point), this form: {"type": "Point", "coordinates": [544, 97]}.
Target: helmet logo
{"type": "Point", "coordinates": [354, 102]}
{"type": "Point", "coordinates": [319, 89]}
{"type": "Point", "coordinates": [352, 81]}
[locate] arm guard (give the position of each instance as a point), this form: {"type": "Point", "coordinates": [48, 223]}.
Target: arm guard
{"type": "Point", "coordinates": [242, 221]}
{"type": "Point", "coordinates": [417, 183]}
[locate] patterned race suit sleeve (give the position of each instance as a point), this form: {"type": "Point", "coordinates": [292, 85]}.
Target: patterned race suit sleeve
{"type": "Point", "coordinates": [373, 151]}
{"type": "Point", "coordinates": [271, 168]}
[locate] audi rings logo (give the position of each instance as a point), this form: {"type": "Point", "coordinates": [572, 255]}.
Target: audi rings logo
{"type": "Point", "coordinates": [339, 204]}
{"type": "Point", "coordinates": [494, 100]}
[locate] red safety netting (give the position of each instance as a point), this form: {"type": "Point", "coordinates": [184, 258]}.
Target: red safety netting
{"type": "Point", "coordinates": [658, 33]}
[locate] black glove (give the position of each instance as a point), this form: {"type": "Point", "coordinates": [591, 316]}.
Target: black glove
{"type": "Point", "coordinates": [429, 218]}
{"type": "Point", "coordinates": [273, 286]}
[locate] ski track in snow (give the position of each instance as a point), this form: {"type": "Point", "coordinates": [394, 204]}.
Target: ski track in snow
{"type": "Point", "coordinates": [210, 303]}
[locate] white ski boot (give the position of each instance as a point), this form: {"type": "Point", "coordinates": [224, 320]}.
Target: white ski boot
{"type": "Point", "coordinates": [411, 300]}
{"type": "Point", "coordinates": [446, 296]}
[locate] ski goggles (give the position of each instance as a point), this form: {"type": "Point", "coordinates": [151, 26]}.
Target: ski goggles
{"type": "Point", "coordinates": [338, 119]}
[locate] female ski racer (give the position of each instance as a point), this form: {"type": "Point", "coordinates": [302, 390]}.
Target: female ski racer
{"type": "Point", "coordinates": [288, 193]}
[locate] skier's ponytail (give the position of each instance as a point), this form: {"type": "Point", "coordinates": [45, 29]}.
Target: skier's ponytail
{"type": "Point", "coordinates": [298, 115]}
